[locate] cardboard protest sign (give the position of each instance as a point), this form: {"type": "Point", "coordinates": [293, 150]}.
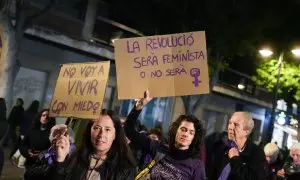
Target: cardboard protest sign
{"type": "Point", "coordinates": [80, 90]}
{"type": "Point", "coordinates": [166, 65]}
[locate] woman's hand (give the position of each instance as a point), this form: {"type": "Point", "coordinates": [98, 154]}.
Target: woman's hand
{"type": "Point", "coordinates": [142, 102]}
{"type": "Point", "coordinates": [62, 148]}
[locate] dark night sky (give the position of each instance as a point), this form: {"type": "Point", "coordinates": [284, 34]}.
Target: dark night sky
{"type": "Point", "coordinates": [238, 29]}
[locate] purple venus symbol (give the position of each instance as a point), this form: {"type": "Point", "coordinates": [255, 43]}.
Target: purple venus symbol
{"type": "Point", "coordinates": [195, 73]}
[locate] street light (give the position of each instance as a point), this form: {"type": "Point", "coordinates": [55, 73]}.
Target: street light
{"type": "Point", "coordinates": [241, 85]}
{"type": "Point", "coordinates": [296, 52]}
{"type": "Point", "coordinates": [266, 53]}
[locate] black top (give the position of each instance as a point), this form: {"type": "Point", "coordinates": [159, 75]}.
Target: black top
{"type": "Point", "coordinates": [292, 171]}
{"type": "Point", "coordinates": [26, 123]}
{"type": "Point", "coordinates": [3, 128]}
{"type": "Point", "coordinates": [15, 116]}
{"type": "Point", "coordinates": [37, 140]}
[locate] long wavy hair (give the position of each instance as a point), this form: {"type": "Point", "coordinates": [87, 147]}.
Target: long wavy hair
{"type": "Point", "coordinates": [118, 148]}
{"type": "Point", "coordinates": [37, 122]}
{"type": "Point", "coordinates": [195, 147]}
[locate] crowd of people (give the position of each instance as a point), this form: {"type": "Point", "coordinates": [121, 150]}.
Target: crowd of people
{"type": "Point", "coordinates": [115, 148]}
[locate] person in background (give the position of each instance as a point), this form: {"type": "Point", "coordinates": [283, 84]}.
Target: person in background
{"type": "Point", "coordinates": [179, 160]}
{"type": "Point", "coordinates": [14, 120]}
{"type": "Point", "coordinates": [3, 130]}
{"type": "Point", "coordinates": [103, 154]}
{"type": "Point", "coordinates": [26, 122]}
{"type": "Point", "coordinates": [37, 140]}
{"type": "Point", "coordinates": [28, 117]}
{"type": "Point", "coordinates": [216, 153]}
{"type": "Point", "coordinates": [274, 162]}
{"type": "Point", "coordinates": [291, 168]}
{"type": "Point", "coordinates": [155, 134]}
{"type": "Point", "coordinates": [242, 159]}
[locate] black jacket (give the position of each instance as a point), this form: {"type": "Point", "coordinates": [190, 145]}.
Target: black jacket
{"type": "Point", "coordinates": [37, 140]}
{"type": "Point", "coordinates": [15, 116]}
{"type": "Point", "coordinates": [292, 171]}
{"type": "Point", "coordinates": [26, 122]}
{"type": "Point", "coordinates": [74, 169]}
{"type": "Point", "coordinates": [249, 165]}
{"type": "Point", "coordinates": [3, 128]}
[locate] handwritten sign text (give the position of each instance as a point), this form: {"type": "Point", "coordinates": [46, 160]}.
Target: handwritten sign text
{"type": "Point", "coordinates": [167, 65]}
{"type": "Point", "coordinates": [79, 90]}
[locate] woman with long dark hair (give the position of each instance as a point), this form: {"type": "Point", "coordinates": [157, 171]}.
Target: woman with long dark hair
{"type": "Point", "coordinates": [180, 159]}
{"type": "Point", "coordinates": [102, 155]}
{"type": "Point", "coordinates": [37, 140]}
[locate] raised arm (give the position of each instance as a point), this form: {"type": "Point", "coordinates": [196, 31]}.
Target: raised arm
{"type": "Point", "coordinates": [62, 149]}
{"type": "Point", "coordinates": [138, 139]}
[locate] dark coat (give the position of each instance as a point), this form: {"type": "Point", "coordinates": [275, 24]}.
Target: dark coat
{"type": "Point", "coordinates": [3, 128]}
{"type": "Point", "coordinates": [273, 168]}
{"type": "Point", "coordinates": [26, 123]}
{"type": "Point", "coordinates": [249, 165]}
{"type": "Point", "coordinates": [214, 155]}
{"type": "Point", "coordinates": [36, 140]}
{"type": "Point", "coordinates": [292, 171]}
{"type": "Point", "coordinates": [15, 116]}
{"type": "Point", "coordinates": [74, 169]}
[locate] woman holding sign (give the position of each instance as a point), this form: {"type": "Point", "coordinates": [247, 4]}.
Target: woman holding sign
{"type": "Point", "coordinates": [103, 154]}
{"type": "Point", "coordinates": [179, 160]}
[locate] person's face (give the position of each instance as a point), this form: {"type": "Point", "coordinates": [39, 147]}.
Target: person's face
{"type": "Point", "coordinates": [236, 128]}
{"type": "Point", "coordinates": [19, 103]}
{"type": "Point", "coordinates": [295, 154]}
{"type": "Point", "coordinates": [103, 134]}
{"type": "Point", "coordinates": [44, 117]}
{"type": "Point", "coordinates": [185, 135]}
{"type": "Point", "coordinates": [153, 137]}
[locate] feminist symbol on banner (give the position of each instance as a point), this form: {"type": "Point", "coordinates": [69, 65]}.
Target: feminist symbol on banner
{"type": "Point", "coordinates": [195, 73]}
